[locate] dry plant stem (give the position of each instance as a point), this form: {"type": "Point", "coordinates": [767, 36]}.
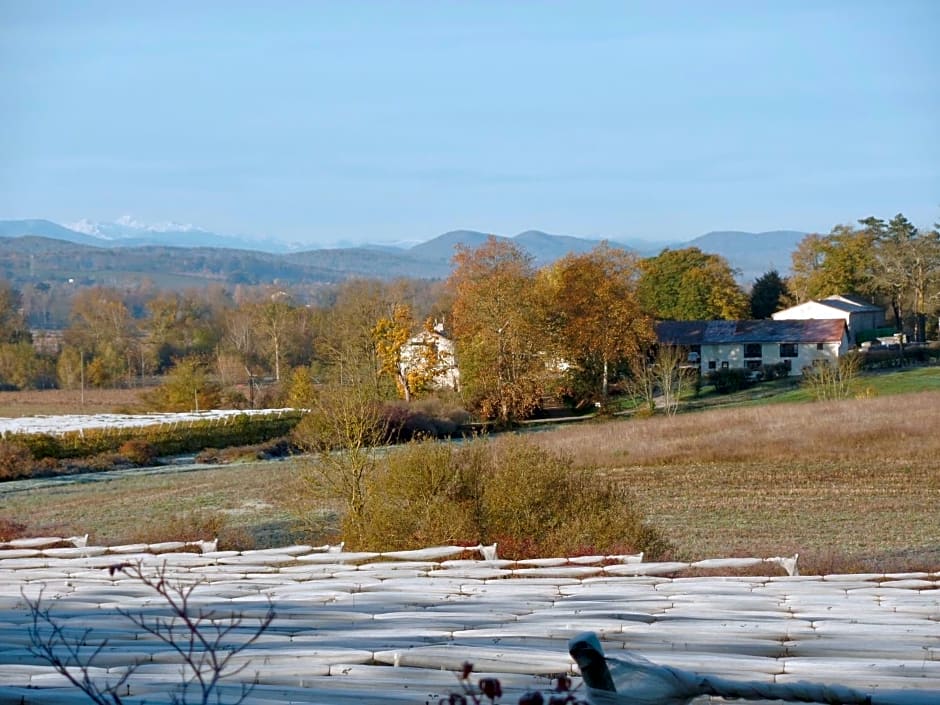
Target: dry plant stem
{"type": "Point", "coordinates": [201, 638]}
{"type": "Point", "coordinates": [48, 641]}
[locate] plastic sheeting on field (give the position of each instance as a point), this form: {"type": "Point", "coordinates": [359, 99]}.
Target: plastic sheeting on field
{"type": "Point", "coordinates": [391, 627]}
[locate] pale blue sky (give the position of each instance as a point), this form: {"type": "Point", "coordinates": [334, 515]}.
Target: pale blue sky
{"type": "Point", "coordinates": [379, 121]}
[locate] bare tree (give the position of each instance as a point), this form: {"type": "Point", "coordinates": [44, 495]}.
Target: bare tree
{"type": "Point", "coordinates": [831, 381]}
{"type": "Point", "coordinates": [662, 380]}
{"type": "Point", "coordinates": [206, 642]}
{"type": "Point", "coordinates": [344, 428]}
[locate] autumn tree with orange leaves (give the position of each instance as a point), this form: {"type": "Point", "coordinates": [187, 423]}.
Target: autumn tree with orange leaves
{"type": "Point", "coordinates": [413, 361]}
{"type": "Point", "coordinates": [595, 319]}
{"type": "Point", "coordinates": [500, 344]}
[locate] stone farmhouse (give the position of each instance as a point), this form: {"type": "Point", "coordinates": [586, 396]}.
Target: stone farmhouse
{"type": "Point", "coordinates": [752, 345]}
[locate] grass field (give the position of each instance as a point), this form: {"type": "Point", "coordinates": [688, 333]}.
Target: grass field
{"type": "Point", "coordinates": [856, 482]}
{"type": "Point", "coordinates": [851, 485]}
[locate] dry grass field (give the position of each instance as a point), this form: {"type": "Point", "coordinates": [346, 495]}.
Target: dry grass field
{"type": "Point", "coordinates": [851, 485]}
{"type": "Point", "coordinates": [68, 401]}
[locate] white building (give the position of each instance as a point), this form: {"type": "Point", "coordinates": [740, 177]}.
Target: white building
{"type": "Point", "coordinates": [432, 348]}
{"type": "Point", "coordinates": [859, 315]}
{"type": "Point", "coordinates": [753, 344]}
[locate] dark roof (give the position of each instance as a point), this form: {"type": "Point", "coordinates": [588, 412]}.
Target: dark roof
{"type": "Point", "coordinates": [766, 331]}
{"type": "Point", "coordinates": [681, 332]}
{"type": "Point", "coordinates": [849, 304]}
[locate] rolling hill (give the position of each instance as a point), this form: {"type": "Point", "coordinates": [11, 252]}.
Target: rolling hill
{"type": "Point", "coordinates": [40, 250]}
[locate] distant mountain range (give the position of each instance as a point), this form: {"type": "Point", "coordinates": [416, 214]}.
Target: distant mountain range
{"type": "Point", "coordinates": [37, 249]}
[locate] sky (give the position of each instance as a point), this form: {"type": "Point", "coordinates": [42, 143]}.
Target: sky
{"type": "Point", "coordinates": [326, 122]}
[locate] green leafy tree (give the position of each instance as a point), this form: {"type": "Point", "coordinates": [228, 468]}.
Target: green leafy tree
{"type": "Point", "coordinates": [101, 327]}
{"type": "Point", "coordinates": [907, 265]}
{"type": "Point", "coordinates": [688, 284]}
{"type": "Point", "coordinates": [299, 392]}
{"type": "Point", "coordinates": [177, 325]}
{"type": "Point", "coordinates": [345, 346]}
{"type": "Point", "coordinates": [13, 328]}
{"type": "Point", "coordinates": [841, 262]}
{"type": "Point", "coordinates": [768, 295]}
{"type": "Point", "coordinates": [22, 368]}
{"type": "Point", "coordinates": [500, 345]}
{"type": "Point", "coordinates": [187, 387]}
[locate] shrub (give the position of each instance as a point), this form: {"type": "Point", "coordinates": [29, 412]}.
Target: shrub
{"type": "Point", "coordinates": [10, 530]}
{"type": "Point", "coordinates": [508, 491]}
{"type": "Point", "coordinates": [186, 387]}
{"type": "Point", "coordinates": [831, 381]}
{"type": "Point", "coordinates": [728, 380]}
{"type": "Point", "coordinates": [424, 418]}
{"type": "Point", "coordinates": [15, 460]}
{"type": "Point", "coordinates": [138, 451]}
{"type": "Point", "coordinates": [187, 526]}
{"type": "Point", "coordinates": [777, 370]}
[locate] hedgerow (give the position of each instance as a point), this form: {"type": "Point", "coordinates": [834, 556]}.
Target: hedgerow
{"type": "Point", "coordinates": [162, 439]}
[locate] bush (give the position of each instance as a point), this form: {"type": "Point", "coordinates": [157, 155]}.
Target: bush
{"type": "Point", "coordinates": [10, 530]}
{"type": "Point", "coordinates": [138, 451]}
{"type": "Point", "coordinates": [15, 460]}
{"type": "Point", "coordinates": [508, 491]}
{"type": "Point", "coordinates": [424, 418]}
{"type": "Point", "coordinates": [831, 381]}
{"type": "Point", "coordinates": [185, 526]}
{"type": "Point", "coordinates": [777, 370]}
{"type": "Point", "coordinates": [728, 380]}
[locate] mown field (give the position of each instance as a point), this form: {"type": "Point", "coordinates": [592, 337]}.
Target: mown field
{"type": "Point", "coordinates": [851, 485]}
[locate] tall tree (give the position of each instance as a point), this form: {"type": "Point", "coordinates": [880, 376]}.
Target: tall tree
{"type": "Point", "coordinates": [391, 334]}
{"type": "Point", "coordinates": [500, 345]}
{"type": "Point", "coordinates": [768, 294]}
{"type": "Point", "coordinates": [838, 263]}
{"type": "Point", "coordinates": [688, 284]}
{"type": "Point", "coordinates": [102, 328]}
{"type": "Point", "coordinates": [273, 316]}
{"type": "Point", "coordinates": [889, 275]}
{"type": "Point", "coordinates": [413, 360]}
{"type": "Point", "coordinates": [594, 315]}
{"type": "Point", "coordinates": [345, 347]}
{"type": "Point", "coordinates": [13, 327]}
{"type": "Point", "coordinates": [187, 387]}
{"type": "Point", "coordinates": [177, 325]}
{"type": "Point", "coordinates": [923, 259]}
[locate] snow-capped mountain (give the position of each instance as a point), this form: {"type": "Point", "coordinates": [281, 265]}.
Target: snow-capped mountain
{"type": "Point", "coordinates": [129, 231]}
{"type": "Point", "coordinates": [128, 227]}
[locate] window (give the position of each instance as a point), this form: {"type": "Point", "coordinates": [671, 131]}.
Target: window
{"type": "Point", "coordinates": [788, 350]}
{"type": "Point", "coordinates": [712, 365]}
{"type": "Point", "coordinates": [753, 365]}
{"type": "Point", "coordinates": [724, 364]}
{"type": "Point", "coordinates": [752, 350]}
{"type": "Point", "coordinates": [820, 346]}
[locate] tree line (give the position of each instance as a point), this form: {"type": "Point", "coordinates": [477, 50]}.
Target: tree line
{"type": "Point", "coordinates": [579, 328]}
